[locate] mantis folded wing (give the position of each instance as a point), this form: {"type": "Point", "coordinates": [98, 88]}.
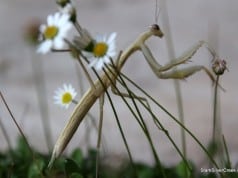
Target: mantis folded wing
{"type": "Point", "coordinates": [90, 97]}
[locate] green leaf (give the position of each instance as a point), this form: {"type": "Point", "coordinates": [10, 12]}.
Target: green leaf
{"type": "Point", "coordinates": [182, 170]}
{"type": "Point", "coordinates": [213, 148]}
{"type": "Point", "coordinates": [22, 150]}
{"type": "Point", "coordinates": [36, 169]}
{"type": "Point", "coordinates": [77, 156]}
{"type": "Point", "coordinates": [145, 173]}
{"type": "Point", "coordinates": [75, 175]}
{"type": "Point", "coordinates": [71, 167]}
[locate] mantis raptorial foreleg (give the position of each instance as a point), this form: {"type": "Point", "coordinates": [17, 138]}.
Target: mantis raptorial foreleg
{"type": "Point", "coordinates": [165, 72]}
{"type": "Point", "coordinates": [109, 78]}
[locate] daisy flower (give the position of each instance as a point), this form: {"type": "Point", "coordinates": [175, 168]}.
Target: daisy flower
{"type": "Point", "coordinates": [54, 32]}
{"type": "Point", "coordinates": [64, 96]}
{"type": "Point", "coordinates": [103, 49]}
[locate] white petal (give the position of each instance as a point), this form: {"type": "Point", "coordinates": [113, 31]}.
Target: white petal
{"type": "Point", "coordinates": [50, 20]}
{"type": "Point", "coordinates": [99, 64]}
{"type": "Point", "coordinates": [63, 19]}
{"type": "Point", "coordinates": [111, 53]}
{"type": "Point", "coordinates": [106, 60]}
{"type": "Point", "coordinates": [57, 18]}
{"type": "Point", "coordinates": [45, 47]}
{"type": "Point", "coordinates": [112, 38]}
{"type": "Point", "coordinates": [93, 63]}
{"type": "Point", "coordinates": [42, 28]}
{"type": "Point", "coordinates": [99, 38]}
{"type": "Point", "coordinates": [58, 43]}
{"type": "Point", "coordinates": [88, 55]}
{"type": "Point", "coordinates": [66, 27]}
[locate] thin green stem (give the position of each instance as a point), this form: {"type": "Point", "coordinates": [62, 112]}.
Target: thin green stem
{"type": "Point", "coordinates": [91, 117]}
{"type": "Point", "coordinates": [228, 163]}
{"type": "Point", "coordinates": [17, 125]}
{"type": "Point", "coordinates": [215, 110]}
{"type": "Point", "coordinates": [217, 131]}
{"type": "Point", "coordinates": [61, 50]}
{"type": "Point", "coordinates": [38, 76]}
{"type": "Point", "coordinates": [118, 123]}
{"type": "Point", "coordinates": [161, 127]}
{"type": "Point", "coordinates": [21, 133]}
{"type": "Point", "coordinates": [86, 73]}
{"type": "Point", "coordinates": [177, 121]}
{"type": "Point", "coordinates": [158, 124]}
{"type": "Point", "coordinates": [178, 93]}
{"type": "Point", "coordinates": [144, 127]}
{"type": "Point", "coordinates": [101, 103]}
{"type": "Point", "coordinates": [78, 28]}
{"type": "Point", "coordinates": [80, 81]}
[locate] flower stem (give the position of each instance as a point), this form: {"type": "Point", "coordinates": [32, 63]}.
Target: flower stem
{"type": "Point", "coordinates": [178, 93]}
{"type": "Point", "coordinates": [40, 87]}
{"type": "Point", "coordinates": [215, 110]}
{"type": "Point", "coordinates": [15, 122]}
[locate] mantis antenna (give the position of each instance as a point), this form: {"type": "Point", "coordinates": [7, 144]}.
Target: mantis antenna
{"type": "Point", "coordinates": [157, 11]}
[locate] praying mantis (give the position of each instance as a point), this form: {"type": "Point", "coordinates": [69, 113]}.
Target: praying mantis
{"type": "Point", "coordinates": [106, 80]}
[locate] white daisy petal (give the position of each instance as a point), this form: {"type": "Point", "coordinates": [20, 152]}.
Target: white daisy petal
{"type": "Point", "coordinates": [64, 19]}
{"type": "Point", "coordinates": [58, 43]}
{"type": "Point", "coordinates": [99, 65]}
{"type": "Point", "coordinates": [42, 28]}
{"type": "Point", "coordinates": [44, 47]}
{"type": "Point", "coordinates": [88, 55]}
{"type": "Point", "coordinates": [111, 38]}
{"type": "Point", "coordinates": [56, 17]}
{"type": "Point", "coordinates": [106, 59]}
{"type": "Point", "coordinates": [93, 63]}
{"type": "Point", "coordinates": [111, 53]}
{"type": "Point", "coordinates": [104, 38]}
{"type": "Point", "coordinates": [50, 20]}
{"type": "Point", "coordinates": [99, 38]}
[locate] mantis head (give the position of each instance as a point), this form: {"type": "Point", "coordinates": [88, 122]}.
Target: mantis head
{"type": "Point", "coordinates": [155, 29]}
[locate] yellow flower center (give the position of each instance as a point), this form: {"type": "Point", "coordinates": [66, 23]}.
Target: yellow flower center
{"type": "Point", "coordinates": [66, 98]}
{"type": "Point", "coordinates": [50, 32]}
{"type": "Point", "coordinates": [100, 49]}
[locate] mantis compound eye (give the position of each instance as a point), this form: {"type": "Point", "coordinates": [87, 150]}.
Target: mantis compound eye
{"type": "Point", "coordinates": [155, 27]}
{"type": "Point", "coordinates": [156, 30]}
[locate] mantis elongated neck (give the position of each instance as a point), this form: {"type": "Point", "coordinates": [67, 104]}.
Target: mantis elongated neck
{"type": "Point", "coordinates": [137, 45]}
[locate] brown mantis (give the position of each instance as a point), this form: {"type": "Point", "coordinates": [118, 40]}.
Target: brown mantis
{"type": "Point", "coordinates": [106, 80]}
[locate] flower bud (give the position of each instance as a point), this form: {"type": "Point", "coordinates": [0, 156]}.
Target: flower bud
{"type": "Point", "coordinates": [219, 66]}
{"type": "Point", "coordinates": [84, 41]}
{"type": "Point", "coordinates": [70, 10]}
{"type": "Point", "coordinates": [62, 3]}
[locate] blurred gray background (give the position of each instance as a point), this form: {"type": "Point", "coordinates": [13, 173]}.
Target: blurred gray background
{"type": "Point", "coordinates": [214, 21]}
